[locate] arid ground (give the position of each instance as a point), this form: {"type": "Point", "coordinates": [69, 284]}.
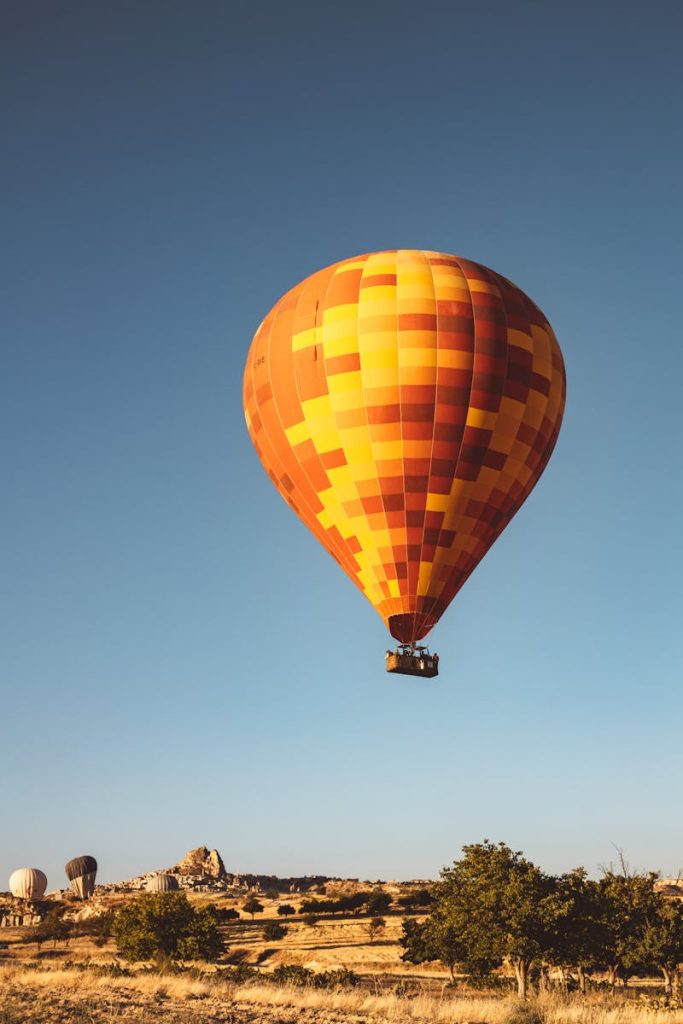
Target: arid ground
{"type": "Point", "coordinates": [78, 982]}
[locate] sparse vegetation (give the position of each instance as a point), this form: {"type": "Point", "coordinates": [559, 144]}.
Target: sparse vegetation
{"type": "Point", "coordinates": [272, 931]}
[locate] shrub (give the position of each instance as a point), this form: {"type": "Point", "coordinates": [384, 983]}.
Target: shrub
{"type": "Point", "coordinates": [272, 931]}
{"type": "Point", "coordinates": [240, 974]}
{"type": "Point", "coordinates": [292, 974]}
{"type": "Point", "coordinates": [229, 914]}
{"type": "Point", "coordinates": [302, 977]}
{"type": "Point", "coordinates": [311, 920]}
{"type": "Point", "coordinates": [341, 978]}
{"type": "Point", "coordinates": [286, 910]}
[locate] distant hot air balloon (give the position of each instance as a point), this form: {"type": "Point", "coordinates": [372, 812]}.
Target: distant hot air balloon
{"type": "Point", "coordinates": [81, 873]}
{"type": "Point", "coordinates": [405, 403]}
{"type": "Point", "coordinates": [163, 882]}
{"type": "Point", "coordinates": [28, 883]}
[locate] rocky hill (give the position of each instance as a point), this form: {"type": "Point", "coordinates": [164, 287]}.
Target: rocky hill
{"type": "Point", "coordinates": [201, 863]}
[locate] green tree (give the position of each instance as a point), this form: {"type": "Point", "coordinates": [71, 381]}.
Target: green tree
{"type": "Point", "coordinates": [53, 928]}
{"type": "Point", "coordinates": [230, 914]}
{"type": "Point", "coordinates": [628, 904]}
{"type": "Point", "coordinates": [498, 907]}
{"type": "Point", "coordinates": [415, 900]}
{"type": "Point", "coordinates": [578, 935]}
{"type": "Point", "coordinates": [165, 925]}
{"type": "Point", "coordinates": [663, 939]}
{"type": "Point", "coordinates": [286, 910]}
{"type": "Point", "coordinates": [379, 903]}
{"type": "Point", "coordinates": [375, 927]}
{"type": "Point", "coordinates": [252, 906]}
{"type": "Point", "coordinates": [434, 939]}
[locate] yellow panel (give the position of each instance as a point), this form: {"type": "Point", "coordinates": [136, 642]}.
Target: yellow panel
{"type": "Point", "coordinates": [438, 502]}
{"type": "Point", "coordinates": [299, 433]}
{"type": "Point", "coordinates": [481, 418]}
{"type": "Point", "coordinates": [344, 382]}
{"type": "Point", "coordinates": [304, 339]}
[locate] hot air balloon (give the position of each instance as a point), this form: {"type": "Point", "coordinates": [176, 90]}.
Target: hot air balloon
{"type": "Point", "coordinates": [405, 404]}
{"type": "Point", "coordinates": [163, 882]}
{"type": "Point", "coordinates": [81, 873]}
{"type": "Point", "coordinates": [28, 883]}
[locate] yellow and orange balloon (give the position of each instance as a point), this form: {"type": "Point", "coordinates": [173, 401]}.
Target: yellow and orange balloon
{"type": "Point", "coordinates": [405, 403]}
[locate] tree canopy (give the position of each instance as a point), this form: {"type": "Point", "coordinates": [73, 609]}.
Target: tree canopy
{"type": "Point", "coordinates": [166, 925]}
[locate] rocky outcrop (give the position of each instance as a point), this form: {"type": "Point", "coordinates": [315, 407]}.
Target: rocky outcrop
{"type": "Point", "coordinates": [201, 863]}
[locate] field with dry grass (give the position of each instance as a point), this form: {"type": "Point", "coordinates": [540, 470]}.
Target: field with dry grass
{"type": "Point", "coordinates": [79, 982]}
{"type": "Point", "coordinates": [333, 943]}
{"type": "Point", "coordinates": [84, 996]}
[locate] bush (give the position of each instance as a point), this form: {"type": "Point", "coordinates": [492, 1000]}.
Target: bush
{"type": "Point", "coordinates": [302, 977]}
{"type": "Point", "coordinates": [272, 931]}
{"type": "Point", "coordinates": [240, 974]}
{"type": "Point", "coordinates": [165, 925]}
{"type": "Point", "coordinates": [292, 974]}
{"type": "Point", "coordinates": [286, 910]}
{"type": "Point", "coordinates": [341, 978]}
{"type": "Point", "coordinates": [311, 920]}
{"type": "Point", "coordinates": [229, 914]}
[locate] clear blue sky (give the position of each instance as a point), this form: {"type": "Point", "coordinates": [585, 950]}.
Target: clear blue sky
{"type": "Point", "coordinates": [180, 662]}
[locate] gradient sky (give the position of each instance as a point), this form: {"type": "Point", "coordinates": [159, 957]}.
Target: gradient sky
{"type": "Point", "coordinates": [180, 662]}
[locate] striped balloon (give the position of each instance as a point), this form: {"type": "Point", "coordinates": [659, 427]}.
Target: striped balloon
{"type": "Point", "coordinates": [405, 403]}
{"type": "Point", "coordinates": [28, 883]}
{"type": "Point", "coordinates": [162, 882]}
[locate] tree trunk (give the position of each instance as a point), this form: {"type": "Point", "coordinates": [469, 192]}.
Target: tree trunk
{"type": "Point", "coordinates": [581, 972]}
{"type": "Point", "coordinates": [612, 976]}
{"type": "Point", "coordinates": [543, 980]}
{"type": "Point", "coordinates": [522, 975]}
{"type": "Point", "coordinates": [450, 971]}
{"type": "Point", "coordinates": [668, 981]}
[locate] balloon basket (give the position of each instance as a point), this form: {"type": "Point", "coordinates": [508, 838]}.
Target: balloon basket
{"type": "Point", "coordinates": [412, 660]}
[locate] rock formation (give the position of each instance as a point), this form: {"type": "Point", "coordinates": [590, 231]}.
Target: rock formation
{"type": "Point", "coordinates": [201, 863]}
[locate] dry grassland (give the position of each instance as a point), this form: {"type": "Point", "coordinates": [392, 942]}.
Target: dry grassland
{"type": "Point", "coordinates": [58, 996]}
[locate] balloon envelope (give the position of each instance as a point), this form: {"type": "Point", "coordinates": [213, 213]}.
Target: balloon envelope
{"type": "Point", "coordinates": [405, 403]}
{"type": "Point", "coordinates": [163, 882]}
{"type": "Point", "coordinates": [28, 883]}
{"type": "Point", "coordinates": [81, 872]}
